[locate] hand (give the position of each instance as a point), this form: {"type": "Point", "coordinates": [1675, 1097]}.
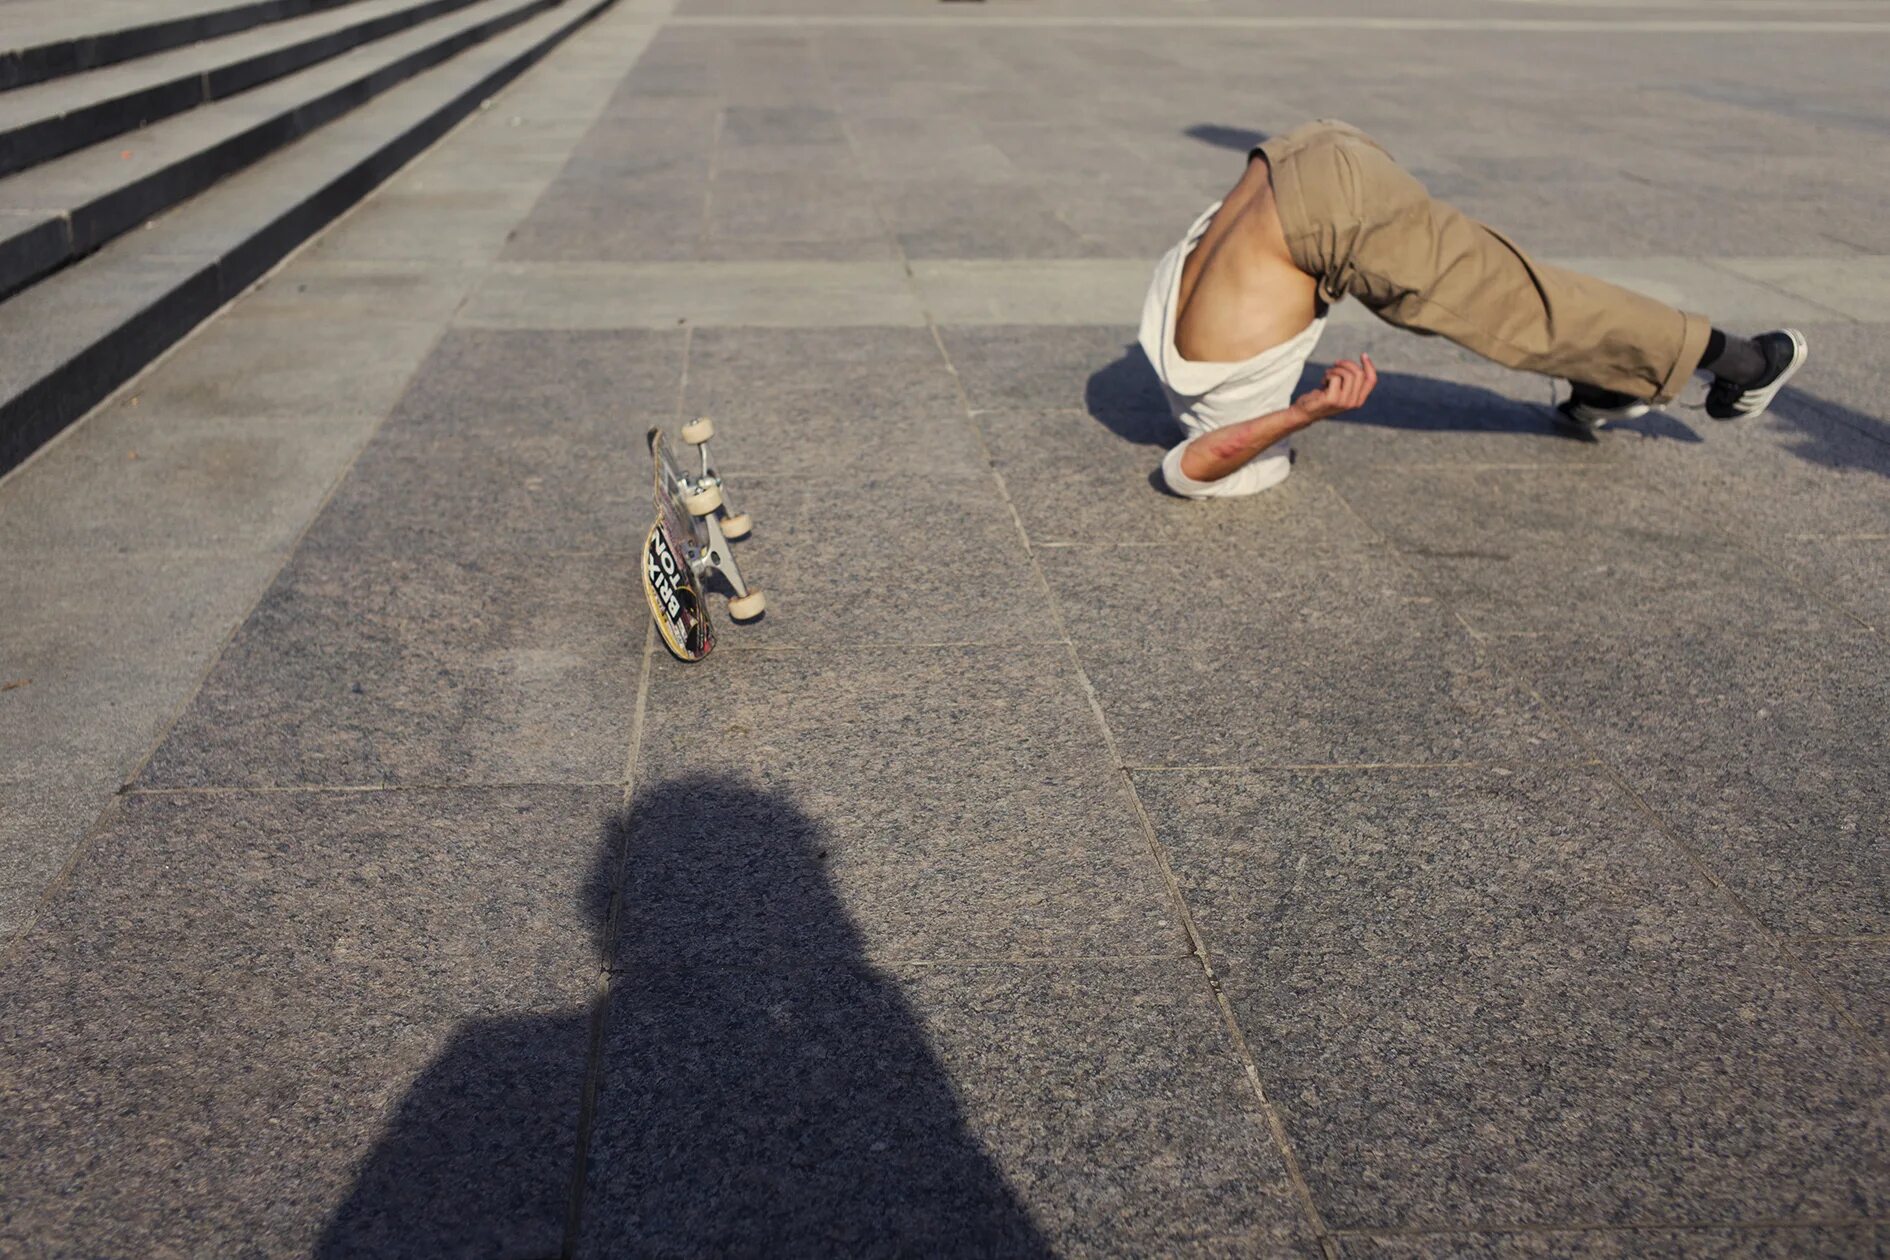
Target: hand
{"type": "Point", "coordinates": [1346, 387]}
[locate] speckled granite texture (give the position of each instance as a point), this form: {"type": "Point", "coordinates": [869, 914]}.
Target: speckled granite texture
{"type": "Point", "coordinates": [1473, 848]}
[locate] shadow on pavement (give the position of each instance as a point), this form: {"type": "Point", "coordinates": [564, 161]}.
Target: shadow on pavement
{"type": "Point", "coordinates": [1829, 434]}
{"type": "Point", "coordinates": [1239, 139]}
{"type": "Point", "coordinates": [763, 1089]}
{"type": "Point", "coordinates": [1126, 398]}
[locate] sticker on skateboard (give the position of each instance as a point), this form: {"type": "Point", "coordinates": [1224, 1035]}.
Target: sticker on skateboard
{"type": "Point", "coordinates": [690, 540]}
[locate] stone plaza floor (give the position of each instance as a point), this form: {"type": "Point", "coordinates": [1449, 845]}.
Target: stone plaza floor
{"type": "Point", "coordinates": [1474, 847]}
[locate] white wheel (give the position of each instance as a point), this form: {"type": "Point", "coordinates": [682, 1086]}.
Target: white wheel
{"type": "Point", "coordinates": [698, 431]}
{"type": "Point", "coordinates": [747, 607]}
{"type": "Point", "coordinates": [703, 501]}
{"type": "Point", "coordinates": [736, 526]}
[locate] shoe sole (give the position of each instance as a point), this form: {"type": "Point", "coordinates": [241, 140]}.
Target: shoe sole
{"type": "Point", "coordinates": [1763, 398]}
{"type": "Point", "coordinates": [1585, 421]}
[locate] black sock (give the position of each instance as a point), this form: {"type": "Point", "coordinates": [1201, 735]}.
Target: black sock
{"type": "Point", "coordinates": [1733, 359]}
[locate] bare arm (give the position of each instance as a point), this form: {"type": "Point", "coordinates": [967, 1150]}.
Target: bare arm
{"type": "Point", "coordinates": [1220, 452]}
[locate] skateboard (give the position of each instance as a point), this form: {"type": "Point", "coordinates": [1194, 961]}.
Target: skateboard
{"type": "Point", "coordinates": [690, 540]}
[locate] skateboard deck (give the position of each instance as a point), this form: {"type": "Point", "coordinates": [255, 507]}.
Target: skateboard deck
{"type": "Point", "coordinates": [670, 579]}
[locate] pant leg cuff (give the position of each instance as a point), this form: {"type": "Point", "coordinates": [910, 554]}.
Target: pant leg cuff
{"type": "Point", "coordinates": [1692, 345]}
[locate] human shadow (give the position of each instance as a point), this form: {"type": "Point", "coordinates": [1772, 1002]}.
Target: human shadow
{"type": "Point", "coordinates": [1830, 434]}
{"type": "Point", "coordinates": [1126, 397]}
{"type": "Point", "coordinates": [760, 1089]}
{"type": "Point", "coordinates": [1425, 404]}
{"type": "Point", "coordinates": [1239, 139]}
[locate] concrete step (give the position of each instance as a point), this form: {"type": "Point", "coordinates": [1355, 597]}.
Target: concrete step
{"type": "Point", "coordinates": [68, 207]}
{"type": "Point", "coordinates": [49, 119]}
{"type": "Point", "coordinates": [78, 335]}
{"type": "Point", "coordinates": [44, 39]}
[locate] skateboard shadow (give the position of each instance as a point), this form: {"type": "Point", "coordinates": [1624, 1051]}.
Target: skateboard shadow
{"type": "Point", "coordinates": [1239, 139]}
{"type": "Point", "coordinates": [760, 1088]}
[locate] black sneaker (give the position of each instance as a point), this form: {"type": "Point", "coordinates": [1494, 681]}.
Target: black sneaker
{"type": "Point", "coordinates": [1588, 410]}
{"type": "Point", "coordinates": [1784, 352]}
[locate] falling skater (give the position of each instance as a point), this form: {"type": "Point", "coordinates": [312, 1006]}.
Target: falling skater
{"type": "Point", "coordinates": [1324, 213]}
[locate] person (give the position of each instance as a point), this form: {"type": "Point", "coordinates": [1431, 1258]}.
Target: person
{"type": "Point", "coordinates": [1323, 213]}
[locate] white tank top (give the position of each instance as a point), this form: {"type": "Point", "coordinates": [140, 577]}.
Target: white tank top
{"type": "Point", "coordinates": [1206, 396]}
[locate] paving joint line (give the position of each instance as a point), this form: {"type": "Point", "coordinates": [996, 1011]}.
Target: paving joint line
{"type": "Point", "coordinates": [607, 946]}
{"type": "Point", "coordinates": [1275, 1127]}
{"type": "Point", "coordinates": [1614, 774]}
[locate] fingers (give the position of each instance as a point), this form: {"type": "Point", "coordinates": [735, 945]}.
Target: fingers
{"type": "Point", "coordinates": [1344, 384]}
{"type": "Point", "coordinates": [1348, 384]}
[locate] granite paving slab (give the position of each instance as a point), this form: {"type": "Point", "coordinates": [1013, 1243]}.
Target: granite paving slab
{"type": "Point", "coordinates": [217, 483]}
{"type": "Point", "coordinates": [1165, 595]}
{"type": "Point", "coordinates": [1079, 478]}
{"type": "Point", "coordinates": [1033, 368]}
{"type": "Point", "coordinates": [1836, 1242]}
{"type": "Point", "coordinates": [1851, 573]}
{"type": "Point", "coordinates": [1492, 999]}
{"type": "Point", "coordinates": [793, 214]}
{"type": "Point", "coordinates": [426, 490]}
{"type": "Point", "coordinates": [1286, 657]}
{"type": "Point", "coordinates": [836, 403]}
{"type": "Point", "coordinates": [99, 655]}
{"type": "Point", "coordinates": [521, 384]}
{"type": "Point", "coordinates": [294, 1023]}
{"type": "Point", "coordinates": [350, 290]}
{"type": "Point", "coordinates": [961, 1111]}
{"type": "Point", "coordinates": [1859, 973]}
{"type": "Point", "coordinates": [1799, 835]}
{"type": "Point", "coordinates": [420, 669]}
{"type": "Point", "coordinates": [850, 561]}
{"type": "Point", "coordinates": [668, 295]}
{"type": "Point", "coordinates": [618, 221]}
{"type": "Point", "coordinates": [1620, 584]}
{"type": "Point", "coordinates": [1444, 509]}
{"type": "Point", "coordinates": [951, 218]}
{"type": "Point", "coordinates": [1714, 695]}
{"type": "Point", "coordinates": [41, 821]}
{"type": "Point", "coordinates": [450, 224]}
{"type": "Point", "coordinates": [1757, 749]}
{"type": "Point", "coordinates": [287, 367]}
{"type": "Point", "coordinates": [997, 826]}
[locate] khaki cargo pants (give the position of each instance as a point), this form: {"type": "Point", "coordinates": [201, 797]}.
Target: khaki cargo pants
{"type": "Point", "coordinates": [1362, 226]}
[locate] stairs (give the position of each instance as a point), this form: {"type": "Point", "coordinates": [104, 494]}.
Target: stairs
{"type": "Point", "coordinates": [204, 124]}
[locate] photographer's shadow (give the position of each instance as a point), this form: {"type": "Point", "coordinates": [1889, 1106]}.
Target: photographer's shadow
{"type": "Point", "coordinates": [762, 1089]}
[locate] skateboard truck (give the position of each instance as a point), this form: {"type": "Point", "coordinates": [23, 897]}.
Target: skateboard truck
{"type": "Point", "coordinates": [702, 495]}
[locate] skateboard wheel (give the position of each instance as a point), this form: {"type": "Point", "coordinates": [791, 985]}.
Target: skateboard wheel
{"type": "Point", "coordinates": [698, 431]}
{"type": "Point", "coordinates": [736, 526]}
{"type": "Point", "coordinates": [747, 607]}
{"type": "Point", "coordinates": [703, 501]}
